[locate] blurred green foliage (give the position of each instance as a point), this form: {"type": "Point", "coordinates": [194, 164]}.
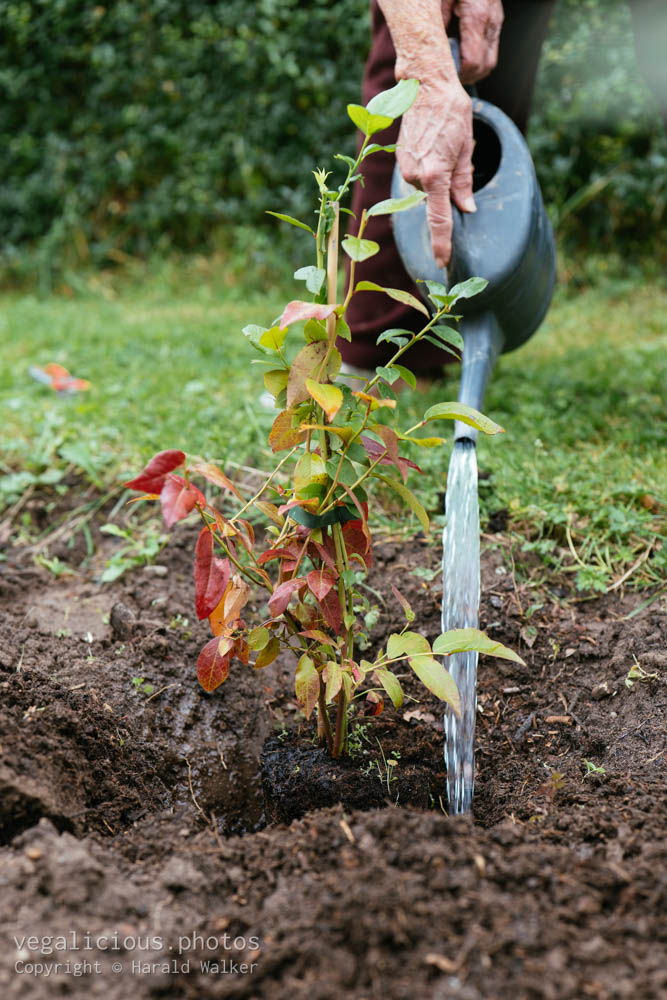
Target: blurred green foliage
{"type": "Point", "coordinates": [596, 135]}
{"type": "Point", "coordinates": [141, 125]}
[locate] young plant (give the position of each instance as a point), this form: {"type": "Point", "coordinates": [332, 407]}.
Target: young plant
{"type": "Point", "coordinates": [332, 441]}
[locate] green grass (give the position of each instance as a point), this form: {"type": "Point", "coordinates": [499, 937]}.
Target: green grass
{"type": "Point", "coordinates": [583, 465]}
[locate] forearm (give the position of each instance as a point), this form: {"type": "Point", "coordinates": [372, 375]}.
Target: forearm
{"type": "Point", "coordinates": [418, 31]}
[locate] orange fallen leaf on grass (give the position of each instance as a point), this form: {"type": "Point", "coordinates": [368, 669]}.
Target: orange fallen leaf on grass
{"type": "Point", "coordinates": [58, 379]}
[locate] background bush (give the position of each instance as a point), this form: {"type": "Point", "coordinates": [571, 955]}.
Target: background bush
{"type": "Point", "coordinates": [143, 124]}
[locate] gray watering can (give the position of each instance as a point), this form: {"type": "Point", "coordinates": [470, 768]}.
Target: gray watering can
{"type": "Point", "coordinates": [508, 241]}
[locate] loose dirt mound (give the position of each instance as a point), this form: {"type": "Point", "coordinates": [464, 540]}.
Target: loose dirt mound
{"type": "Point", "coordinates": [133, 826]}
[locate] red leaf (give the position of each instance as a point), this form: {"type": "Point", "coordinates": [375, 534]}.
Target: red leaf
{"type": "Point", "coordinates": [282, 594]}
{"type": "Point", "coordinates": [331, 611]}
{"type": "Point", "coordinates": [409, 613]}
{"type": "Point", "coordinates": [275, 554]}
{"type": "Point", "coordinates": [357, 542]}
{"type": "Point", "coordinates": [374, 703]}
{"type": "Point", "coordinates": [152, 479]}
{"type": "Point", "coordinates": [178, 499]}
{"type": "Point", "coordinates": [213, 663]}
{"type": "Point", "coordinates": [217, 477]}
{"type": "Point", "coordinates": [325, 552]}
{"type": "Point", "coordinates": [296, 311]}
{"type": "Point", "coordinates": [374, 449]}
{"type": "Point", "coordinates": [211, 576]}
{"type": "Point", "coordinates": [320, 582]}
{"type": "Point", "coordinates": [361, 523]}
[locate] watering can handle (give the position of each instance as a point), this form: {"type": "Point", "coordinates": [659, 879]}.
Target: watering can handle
{"type": "Point", "coordinates": [455, 46]}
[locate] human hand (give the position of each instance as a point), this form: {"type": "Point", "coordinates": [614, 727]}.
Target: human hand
{"type": "Point", "coordinates": [480, 22]}
{"type": "Point", "coordinates": [434, 152]}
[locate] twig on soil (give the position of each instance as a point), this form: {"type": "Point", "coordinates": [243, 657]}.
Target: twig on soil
{"type": "Point", "coordinates": [216, 833]}
{"type": "Point", "coordinates": [621, 580]}
{"type": "Point", "coordinates": [523, 729]}
{"type": "Point", "coordinates": [192, 791]}
{"type": "Point", "coordinates": [165, 688]}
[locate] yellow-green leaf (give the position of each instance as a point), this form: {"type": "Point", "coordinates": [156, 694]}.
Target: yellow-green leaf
{"type": "Point", "coordinates": [358, 249]}
{"type": "Point", "coordinates": [268, 654]}
{"type": "Point", "coordinates": [307, 684]}
{"type": "Point", "coordinates": [467, 414]}
{"type": "Point", "coordinates": [309, 469]}
{"type": "Point", "coordinates": [472, 640]}
{"type": "Point", "coordinates": [438, 680]}
{"type": "Point", "coordinates": [334, 680]}
{"type": "Point", "coordinates": [274, 338]}
{"type": "Point", "coordinates": [407, 644]}
{"type": "Point", "coordinates": [394, 293]}
{"type": "Point", "coordinates": [275, 380]}
{"type": "Point", "coordinates": [391, 684]}
{"type": "Point", "coordinates": [329, 397]}
{"type": "Point", "coordinates": [258, 638]}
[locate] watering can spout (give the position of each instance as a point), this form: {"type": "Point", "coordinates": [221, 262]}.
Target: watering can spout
{"type": "Point", "coordinates": [483, 340]}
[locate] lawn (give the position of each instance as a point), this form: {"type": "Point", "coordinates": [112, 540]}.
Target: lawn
{"type": "Point", "coordinates": [581, 471]}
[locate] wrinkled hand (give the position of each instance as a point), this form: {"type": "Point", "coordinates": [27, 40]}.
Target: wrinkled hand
{"type": "Point", "coordinates": [435, 153]}
{"type": "Point", "coordinates": [480, 22]}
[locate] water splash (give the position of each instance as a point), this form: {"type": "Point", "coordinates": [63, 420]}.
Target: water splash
{"type": "Point", "coordinates": [460, 609]}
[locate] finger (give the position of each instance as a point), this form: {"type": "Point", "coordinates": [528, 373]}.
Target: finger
{"type": "Point", "coordinates": [461, 187]}
{"type": "Point", "coordinates": [479, 41]}
{"type": "Point", "coordinates": [436, 183]}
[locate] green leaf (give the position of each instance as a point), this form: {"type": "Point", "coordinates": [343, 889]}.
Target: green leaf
{"type": "Point", "coordinates": [391, 684]}
{"type": "Point", "coordinates": [275, 380]}
{"type": "Point", "coordinates": [313, 276]}
{"type": "Point", "coordinates": [258, 638]}
{"type": "Point", "coordinates": [374, 147]}
{"type": "Point", "coordinates": [307, 684]}
{"type": "Point", "coordinates": [394, 293]}
{"type": "Point", "coordinates": [367, 122]}
{"type": "Point", "coordinates": [471, 640]}
{"type": "Point", "coordinates": [438, 680]}
{"type": "Point", "coordinates": [390, 375]}
{"type": "Point", "coordinates": [392, 205]}
{"type": "Point", "coordinates": [398, 337]}
{"type": "Point", "coordinates": [448, 335]}
{"type": "Point", "coordinates": [406, 375]}
{"type": "Point", "coordinates": [358, 249]}
{"type": "Point", "coordinates": [254, 334]}
{"type": "Point", "coordinates": [292, 221]}
{"type": "Point", "coordinates": [466, 414]}
{"type": "Point", "coordinates": [438, 292]}
{"type": "Point", "coordinates": [407, 644]}
{"type": "Point", "coordinates": [394, 102]}
{"type": "Point", "coordinates": [466, 289]}
{"type": "Point", "coordinates": [314, 330]}
{"type": "Point", "coordinates": [409, 498]}
{"type": "Point", "coordinates": [342, 329]}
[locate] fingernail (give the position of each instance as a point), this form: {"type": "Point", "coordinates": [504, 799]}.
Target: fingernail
{"type": "Point", "coordinates": [440, 262]}
{"type": "Point", "coordinates": [469, 205]}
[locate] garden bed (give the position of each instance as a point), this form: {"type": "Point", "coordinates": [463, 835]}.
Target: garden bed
{"type": "Point", "coordinates": [132, 803]}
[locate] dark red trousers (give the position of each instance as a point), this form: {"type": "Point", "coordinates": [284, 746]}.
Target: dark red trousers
{"type": "Point", "coordinates": [510, 87]}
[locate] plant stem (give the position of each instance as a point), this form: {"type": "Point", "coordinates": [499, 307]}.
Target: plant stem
{"type": "Point", "coordinates": [323, 722]}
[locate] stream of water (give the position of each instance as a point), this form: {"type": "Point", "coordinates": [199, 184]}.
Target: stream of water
{"type": "Point", "coordinates": [460, 609]}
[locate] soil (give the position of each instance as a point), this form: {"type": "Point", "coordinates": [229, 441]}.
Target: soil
{"type": "Point", "coordinates": [135, 839]}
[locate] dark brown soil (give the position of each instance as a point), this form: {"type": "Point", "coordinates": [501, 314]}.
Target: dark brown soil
{"type": "Point", "coordinates": [133, 825]}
